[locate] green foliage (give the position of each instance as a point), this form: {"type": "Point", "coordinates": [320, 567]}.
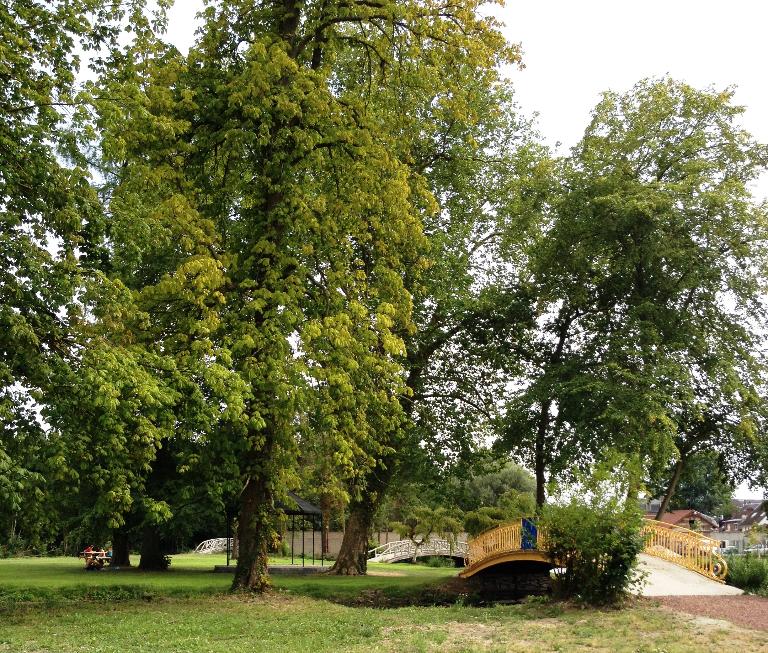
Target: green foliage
{"type": "Point", "coordinates": [491, 498]}
{"type": "Point", "coordinates": [421, 522]}
{"type": "Point", "coordinates": [594, 538]}
{"type": "Point", "coordinates": [758, 534]}
{"type": "Point", "coordinates": [703, 486]}
{"type": "Point", "coordinates": [512, 505]}
{"type": "Point", "coordinates": [53, 362]}
{"type": "Point", "coordinates": [437, 562]}
{"type": "Point", "coordinates": [749, 572]}
{"type": "Point", "coordinates": [648, 285]}
{"type": "Point", "coordinates": [477, 521]}
{"type": "Point", "coordinates": [517, 504]}
{"type": "Point", "coordinates": [325, 239]}
{"type": "Point", "coordinates": [485, 487]}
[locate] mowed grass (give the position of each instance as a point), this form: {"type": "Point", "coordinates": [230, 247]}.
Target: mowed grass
{"type": "Point", "coordinates": [188, 610]}
{"type": "Point", "coordinates": [50, 581]}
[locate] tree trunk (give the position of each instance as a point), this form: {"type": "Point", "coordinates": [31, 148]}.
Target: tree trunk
{"type": "Point", "coordinates": [678, 472]}
{"type": "Point", "coordinates": [415, 551]}
{"type": "Point", "coordinates": [152, 553]}
{"type": "Point", "coordinates": [254, 533]}
{"type": "Point", "coordinates": [541, 492]}
{"type": "Point", "coordinates": [353, 555]}
{"type": "Point", "coordinates": [540, 462]}
{"type": "Point", "coordinates": [121, 551]}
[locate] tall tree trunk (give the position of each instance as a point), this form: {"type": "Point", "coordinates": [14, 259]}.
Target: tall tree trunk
{"type": "Point", "coordinates": [542, 428]}
{"type": "Point", "coordinates": [152, 553]}
{"type": "Point", "coordinates": [676, 474]}
{"type": "Point", "coordinates": [121, 550]}
{"type": "Point", "coordinates": [540, 461]}
{"type": "Point", "coordinates": [353, 556]}
{"type": "Point", "coordinates": [254, 534]}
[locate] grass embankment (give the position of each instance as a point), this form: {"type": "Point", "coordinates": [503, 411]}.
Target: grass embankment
{"type": "Point", "coordinates": [750, 573]}
{"type": "Point", "coordinates": [189, 611]}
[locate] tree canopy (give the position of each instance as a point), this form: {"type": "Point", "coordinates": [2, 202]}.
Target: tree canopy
{"type": "Point", "coordinates": [325, 247]}
{"type": "Point", "coordinates": [648, 287]}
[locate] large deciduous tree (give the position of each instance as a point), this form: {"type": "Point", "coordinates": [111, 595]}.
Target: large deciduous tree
{"type": "Point", "coordinates": [463, 136]}
{"type": "Point", "coordinates": [650, 283]}
{"type": "Point", "coordinates": [51, 223]}
{"type": "Point", "coordinates": [256, 169]}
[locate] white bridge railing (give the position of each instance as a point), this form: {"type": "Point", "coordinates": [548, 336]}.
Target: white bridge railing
{"type": "Point", "coordinates": [216, 545]}
{"type": "Point", "coordinates": [406, 550]}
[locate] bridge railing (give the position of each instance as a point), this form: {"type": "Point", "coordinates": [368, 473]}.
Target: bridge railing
{"type": "Point", "coordinates": [404, 549]}
{"type": "Point", "coordinates": [504, 538]}
{"type": "Point", "coordinates": [686, 548]}
{"type": "Point", "coordinates": [396, 548]}
{"type": "Point", "coordinates": [214, 545]}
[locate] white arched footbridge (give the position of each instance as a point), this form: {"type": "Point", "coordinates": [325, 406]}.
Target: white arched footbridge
{"type": "Point", "coordinates": [216, 545]}
{"type": "Point", "coordinates": [407, 550]}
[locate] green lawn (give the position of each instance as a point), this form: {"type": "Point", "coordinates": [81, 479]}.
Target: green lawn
{"type": "Point", "coordinates": [187, 611]}
{"type": "Point", "coordinates": [53, 580]}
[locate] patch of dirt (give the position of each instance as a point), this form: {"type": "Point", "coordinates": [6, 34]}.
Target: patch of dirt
{"type": "Point", "coordinates": [473, 633]}
{"type": "Point", "coordinates": [708, 622]}
{"type": "Point", "coordinates": [449, 592]}
{"type": "Point", "coordinates": [385, 573]}
{"type": "Point", "coordinates": [745, 611]}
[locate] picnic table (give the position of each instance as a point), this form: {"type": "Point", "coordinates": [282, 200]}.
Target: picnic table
{"type": "Point", "coordinates": [95, 559]}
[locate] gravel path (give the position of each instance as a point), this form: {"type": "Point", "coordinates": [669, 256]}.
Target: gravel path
{"type": "Point", "coordinates": [746, 611]}
{"type": "Point", "coordinates": [667, 579]}
{"type": "Point", "coordinates": [681, 590]}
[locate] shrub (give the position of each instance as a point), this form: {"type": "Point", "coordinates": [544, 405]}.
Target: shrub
{"type": "Point", "coordinates": [437, 561]}
{"type": "Point", "coordinates": [595, 547]}
{"type": "Point", "coordinates": [748, 572]}
{"type": "Point", "coordinates": [15, 547]}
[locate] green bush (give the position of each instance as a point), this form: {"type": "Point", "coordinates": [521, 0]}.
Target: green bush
{"type": "Point", "coordinates": [437, 561]}
{"type": "Point", "coordinates": [15, 547]}
{"type": "Point", "coordinates": [595, 547]}
{"type": "Point", "coordinates": [748, 572]}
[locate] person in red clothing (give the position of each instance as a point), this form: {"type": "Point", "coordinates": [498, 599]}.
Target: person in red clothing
{"type": "Point", "coordinates": [92, 562]}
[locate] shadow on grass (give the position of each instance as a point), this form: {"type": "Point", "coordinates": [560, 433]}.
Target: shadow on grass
{"type": "Point", "coordinates": [55, 584]}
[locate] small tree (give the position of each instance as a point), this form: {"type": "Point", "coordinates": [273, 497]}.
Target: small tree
{"type": "Point", "coordinates": [594, 539]}
{"type": "Point", "coordinates": [422, 522]}
{"type": "Point", "coordinates": [757, 535]}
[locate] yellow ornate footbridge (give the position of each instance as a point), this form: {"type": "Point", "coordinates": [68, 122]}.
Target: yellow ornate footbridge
{"type": "Point", "coordinates": [521, 541]}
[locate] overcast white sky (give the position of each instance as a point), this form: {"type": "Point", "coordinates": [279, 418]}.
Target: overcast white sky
{"type": "Point", "coordinates": [575, 49]}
